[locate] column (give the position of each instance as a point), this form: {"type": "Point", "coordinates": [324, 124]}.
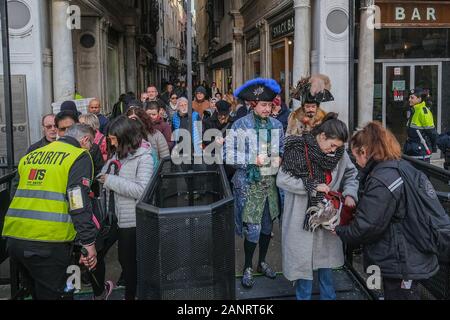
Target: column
{"type": "Point", "coordinates": [130, 41]}
{"type": "Point", "coordinates": [238, 49]}
{"type": "Point", "coordinates": [63, 65]}
{"type": "Point", "coordinates": [266, 66]}
{"type": "Point", "coordinates": [302, 40]}
{"type": "Point", "coordinates": [366, 65]}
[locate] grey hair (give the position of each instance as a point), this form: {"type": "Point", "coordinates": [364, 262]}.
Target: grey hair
{"type": "Point", "coordinates": [79, 131]}
{"type": "Point", "coordinates": [91, 120]}
{"type": "Point", "coordinates": [182, 99]}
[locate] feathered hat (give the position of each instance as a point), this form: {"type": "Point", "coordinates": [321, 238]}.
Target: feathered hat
{"type": "Point", "coordinates": [259, 89]}
{"type": "Point", "coordinates": [315, 89]}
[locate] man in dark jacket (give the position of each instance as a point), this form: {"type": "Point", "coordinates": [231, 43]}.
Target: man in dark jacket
{"type": "Point", "coordinates": [50, 133]}
{"type": "Point", "coordinates": [378, 226]}
{"type": "Point", "coordinates": [168, 93]}
{"type": "Point", "coordinates": [42, 241]}
{"type": "Point", "coordinates": [95, 108]}
{"type": "Point", "coordinates": [65, 120]}
{"type": "Point", "coordinates": [222, 121]}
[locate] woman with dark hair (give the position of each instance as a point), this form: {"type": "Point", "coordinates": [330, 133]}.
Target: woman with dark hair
{"type": "Point", "coordinates": [136, 170]}
{"type": "Point", "coordinates": [155, 137]}
{"type": "Point", "coordinates": [381, 214]}
{"type": "Point", "coordinates": [313, 165]}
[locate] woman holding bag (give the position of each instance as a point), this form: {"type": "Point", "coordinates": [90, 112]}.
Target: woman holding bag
{"type": "Point", "coordinates": [135, 174]}
{"type": "Point", "coordinates": [313, 165]}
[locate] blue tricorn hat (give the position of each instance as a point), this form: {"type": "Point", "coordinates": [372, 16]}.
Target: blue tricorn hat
{"type": "Point", "coordinates": [259, 89]}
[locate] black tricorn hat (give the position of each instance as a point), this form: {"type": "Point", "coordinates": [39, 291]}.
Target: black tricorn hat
{"type": "Point", "coordinates": [259, 89]}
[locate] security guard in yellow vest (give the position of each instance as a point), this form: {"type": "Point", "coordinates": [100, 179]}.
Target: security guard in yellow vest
{"type": "Point", "coordinates": [422, 134]}
{"type": "Point", "coordinates": [51, 209]}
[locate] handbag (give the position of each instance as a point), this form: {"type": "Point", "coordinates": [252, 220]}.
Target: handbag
{"type": "Point", "coordinates": [104, 207]}
{"type": "Point", "coordinates": [331, 212]}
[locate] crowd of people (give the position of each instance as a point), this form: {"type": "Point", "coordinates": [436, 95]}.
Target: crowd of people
{"type": "Point", "coordinates": [303, 164]}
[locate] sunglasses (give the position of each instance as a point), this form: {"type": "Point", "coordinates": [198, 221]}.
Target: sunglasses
{"type": "Point", "coordinates": [174, 98]}
{"type": "Point", "coordinates": [51, 126]}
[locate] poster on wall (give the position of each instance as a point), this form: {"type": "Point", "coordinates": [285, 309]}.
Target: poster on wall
{"type": "Point", "coordinates": [21, 127]}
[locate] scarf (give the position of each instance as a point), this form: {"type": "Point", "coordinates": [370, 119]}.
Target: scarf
{"type": "Point", "coordinates": [312, 169]}
{"type": "Point", "coordinates": [261, 124]}
{"type": "Point", "coordinates": [296, 165]}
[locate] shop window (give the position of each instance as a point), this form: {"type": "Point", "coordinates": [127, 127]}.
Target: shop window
{"type": "Point", "coordinates": [279, 64]}
{"type": "Point", "coordinates": [411, 43]}
{"type": "Point", "coordinates": [255, 64]}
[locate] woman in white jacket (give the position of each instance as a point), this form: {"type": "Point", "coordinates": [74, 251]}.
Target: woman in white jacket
{"type": "Point", "coordinates": [136, 170]}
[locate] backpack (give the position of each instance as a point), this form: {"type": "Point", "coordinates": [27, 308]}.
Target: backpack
{"type": "Point", "coordinates": [426, 224]}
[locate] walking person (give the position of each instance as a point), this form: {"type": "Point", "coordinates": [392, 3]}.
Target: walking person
{"type": "Point", "coordinates": [313, 165]}
{"type": "Point", "coordinates": [180, 121]}
{"type": "Point", "coordinates": [422, 135]}
{"type": "Point", "coordinates": [95, 108]}
{"type": "Point", "coordinates": [312, 92]}
{"type": "Point", "coordinates": [51, 211]}
{"type": "Point", "coordinates": [254, 183]}
{"type": "Point", "coordinates": [155, 137]}
{"type": "Point", "coordinates": [153, 111]}
{"type": "Point", "coordinates": [135, 173]}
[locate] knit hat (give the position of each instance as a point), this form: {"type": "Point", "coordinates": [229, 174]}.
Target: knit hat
{"type": "Point", "coordinates": [201, 90]}
{"type": "Point", "coordinates": [70, 106]}
{"type": "Point", "coordinates": [223, 107]}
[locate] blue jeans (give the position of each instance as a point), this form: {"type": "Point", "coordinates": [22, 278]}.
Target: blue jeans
{"type": "Point", "coordinates": [327, 292]}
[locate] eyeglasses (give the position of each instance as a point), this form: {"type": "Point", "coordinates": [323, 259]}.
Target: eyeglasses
{"type": "Point", "coordinates": [51, 126]}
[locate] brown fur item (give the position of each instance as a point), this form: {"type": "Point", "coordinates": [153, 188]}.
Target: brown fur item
{"type": "Point", "coordinates": [299, 123]}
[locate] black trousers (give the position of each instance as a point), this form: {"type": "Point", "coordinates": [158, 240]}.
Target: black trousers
{"type": "Point", "coordinates": [393, 290]}
{"type": "Point", "coordinates": [98, 284]}
{"type": "Point", "coordinates": [128, 261]}
{"type": "Point", "coordinates": [45, 264]}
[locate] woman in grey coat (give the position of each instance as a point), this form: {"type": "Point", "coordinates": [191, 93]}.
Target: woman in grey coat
{"type": "Point", "coordinates": [135, 173]}
{"type": "Point", "coordinates": [304, 251]}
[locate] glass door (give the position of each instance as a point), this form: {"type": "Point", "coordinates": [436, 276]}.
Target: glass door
{"type": "Point", "coordinates": [397, 85]}
{"type": "Point", "coordinates": [399, 79]}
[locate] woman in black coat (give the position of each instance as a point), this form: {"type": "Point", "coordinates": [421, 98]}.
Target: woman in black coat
{"type": "Point", "coordinates": [379, 222]}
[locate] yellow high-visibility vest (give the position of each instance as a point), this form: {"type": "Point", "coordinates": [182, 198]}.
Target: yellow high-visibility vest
{"type": "Point", "coordinates": [40, 209]}
{"type": "Point", "coordinates": [422, 118]}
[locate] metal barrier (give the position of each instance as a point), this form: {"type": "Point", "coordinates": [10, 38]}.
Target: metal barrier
{"type": "Point", "coordinates": [185, 235]}
{"type": "Point", "coordinates": [6, 177]}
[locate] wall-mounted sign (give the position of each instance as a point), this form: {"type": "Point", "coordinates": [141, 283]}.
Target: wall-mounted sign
{"type": "Point", "coordinates": [399, 85]}
{"type": "Point", "coordinates": [283, 27]}
{"type": "Point", "coordinates": [253, 43]}
{"type": "Point", "coordinates": [398, 71]}
{"type": "Point", "coordinates": [413, 14]}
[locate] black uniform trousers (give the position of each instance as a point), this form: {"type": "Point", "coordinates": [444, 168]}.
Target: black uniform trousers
{"type": "Point", "coordinates": [45, 264]}
{"type": "Point", "coordinates": [393, 290]}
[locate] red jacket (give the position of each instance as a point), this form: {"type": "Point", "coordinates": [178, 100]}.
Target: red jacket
{"type": "Point", "coordinates": [166, 130]}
